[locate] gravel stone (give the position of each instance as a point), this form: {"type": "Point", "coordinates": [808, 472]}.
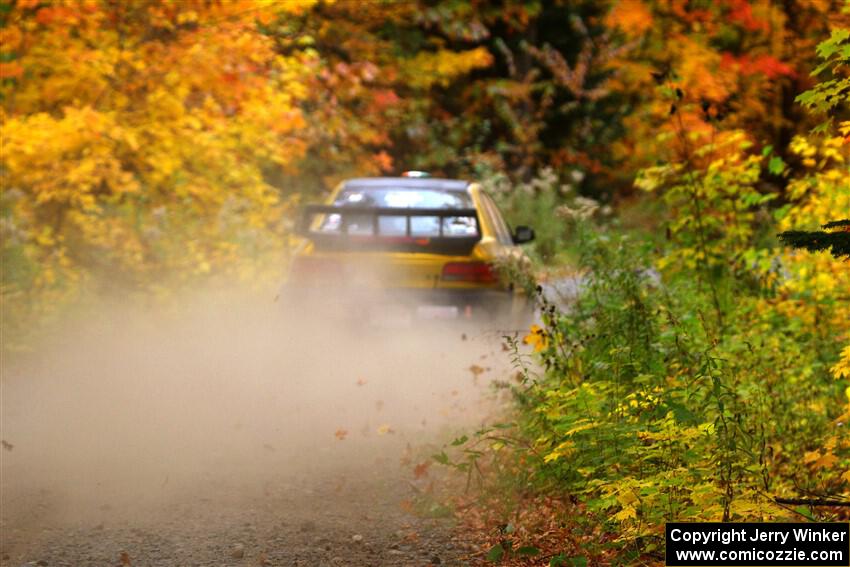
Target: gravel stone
{"type": "Point", "coordinates": [237, 551]}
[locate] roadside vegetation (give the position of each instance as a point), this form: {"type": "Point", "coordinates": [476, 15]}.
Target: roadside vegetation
{"type": "Point", "coordinates": [701, 374]}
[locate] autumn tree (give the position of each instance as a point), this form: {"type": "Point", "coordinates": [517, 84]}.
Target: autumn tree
{"type": "Point", "coordinates": [138, 141]}
{"type": "Point", "coordinates": [736, 64]}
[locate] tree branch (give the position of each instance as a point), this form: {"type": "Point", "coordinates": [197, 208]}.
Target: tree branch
{"type": "Point", "coordinates": [812, 502]}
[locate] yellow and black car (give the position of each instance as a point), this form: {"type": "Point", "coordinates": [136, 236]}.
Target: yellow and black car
{"type": "Point", "coordinates": [411, 246]}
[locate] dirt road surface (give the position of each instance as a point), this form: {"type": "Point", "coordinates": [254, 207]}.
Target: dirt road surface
{"type": "Point", "coordinates": [215, 435]}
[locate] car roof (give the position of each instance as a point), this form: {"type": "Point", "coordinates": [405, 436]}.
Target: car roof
{"type": "Point", "coordinates": [406, 183]}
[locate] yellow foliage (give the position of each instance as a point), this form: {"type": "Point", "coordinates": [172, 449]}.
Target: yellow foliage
{"type": "Point", "coordinates": [564, 449]}
{"type": "Point", "coordinates": [627, 513]}
{"type": "Point", "coordinates": [145, 153]}
{"type": "Point", "coordinates": [441, 67]}
{"type": "Point", "coordinates": [842, 367]}
{"type": "Point", "coordinates": [536, 338]}
{"type": "Point", "coordinates": [820, 197]}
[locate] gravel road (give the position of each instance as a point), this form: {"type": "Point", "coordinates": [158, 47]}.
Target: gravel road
{"type": "Point", "coordinates": [345, 517]}
{"type": "Point", "coordinates": [222, 439]}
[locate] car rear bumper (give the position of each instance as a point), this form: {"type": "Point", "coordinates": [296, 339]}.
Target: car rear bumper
{"type": "Point", "coordinates": [402, 303]}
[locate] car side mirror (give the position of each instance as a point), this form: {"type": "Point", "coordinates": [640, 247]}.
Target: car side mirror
{"type": "Point", "coordinates": [523, 234]}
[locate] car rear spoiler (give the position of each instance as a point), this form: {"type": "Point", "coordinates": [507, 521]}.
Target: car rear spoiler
{"type": "Point", "coordinates": [341, 238]}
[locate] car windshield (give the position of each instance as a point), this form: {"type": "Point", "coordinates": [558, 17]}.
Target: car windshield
{"type": "Point", "coordinates": [402, 198]}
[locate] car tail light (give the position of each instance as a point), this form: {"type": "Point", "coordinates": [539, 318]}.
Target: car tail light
{"type": "Point", "coordinates": [306, 269]}
{"type": "Point", "coordinates": [477, 272]}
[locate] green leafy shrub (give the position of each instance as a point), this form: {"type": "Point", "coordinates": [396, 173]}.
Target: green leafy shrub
{"type": "Point", "coordinates": [700, 377]}
{"type": "Point", "coordinates": [544, 202]}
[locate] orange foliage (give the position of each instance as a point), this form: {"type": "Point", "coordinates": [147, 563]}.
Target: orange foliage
{"type": "Point", "coordinates": [631, 16]}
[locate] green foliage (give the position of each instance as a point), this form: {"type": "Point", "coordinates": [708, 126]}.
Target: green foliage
{"type": "Point", "coordinates": [544, 202]}
{"type": "Point", "coordinates": [829, 95]}
{"type": "Point", "coordinates": [496, 553]}
{"type": "Point", "coordinates": [650, 414]}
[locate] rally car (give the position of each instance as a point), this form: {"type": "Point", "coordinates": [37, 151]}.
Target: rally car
{"type": "Point", "coordinates": [413, 246]}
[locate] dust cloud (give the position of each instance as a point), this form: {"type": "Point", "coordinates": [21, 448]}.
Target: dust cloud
{"type": "Point", "coordinates": [128, 408]}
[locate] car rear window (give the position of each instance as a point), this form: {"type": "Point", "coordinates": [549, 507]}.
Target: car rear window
{"type": "Point", "coordinates": [403, 198]}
